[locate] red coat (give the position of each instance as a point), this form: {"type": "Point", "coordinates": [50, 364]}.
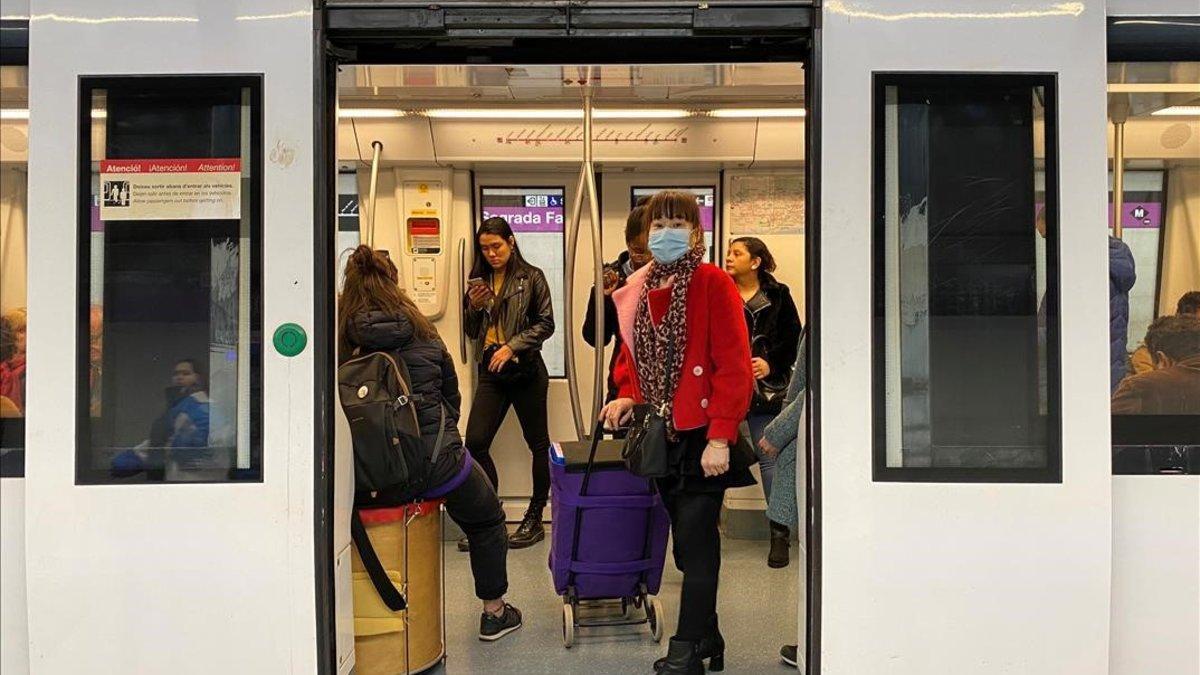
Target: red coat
{"type": "Point", "coordinates": [716, 383]}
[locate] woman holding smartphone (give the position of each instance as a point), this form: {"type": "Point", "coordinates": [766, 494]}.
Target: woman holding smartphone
{"type": "Point", "coordinates": [508, 316]}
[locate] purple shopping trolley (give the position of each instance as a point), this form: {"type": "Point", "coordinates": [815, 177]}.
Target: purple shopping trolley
{"type": "Point", "coordinates": [609, 539]}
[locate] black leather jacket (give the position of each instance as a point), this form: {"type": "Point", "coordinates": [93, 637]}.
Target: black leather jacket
{"type": "Point", "coordinates": [774, 325]}
{"type": "Point", "coordinates": [523, 311]}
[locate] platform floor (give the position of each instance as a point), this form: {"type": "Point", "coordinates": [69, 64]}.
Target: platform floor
{"type": "Point", "coordinates": [757, 606]}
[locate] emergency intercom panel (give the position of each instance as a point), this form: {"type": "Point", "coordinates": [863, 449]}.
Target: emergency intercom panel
{"type": "Point", "coordinates": [424, 230]}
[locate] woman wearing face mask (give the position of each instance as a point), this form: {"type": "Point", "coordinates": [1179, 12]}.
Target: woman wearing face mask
{"type": "Point", "coordinates": [774, 326]}
{"type": "Point", "coordinates": [508, 315]}
{"type": "Point", "coordinates": [686, 351]}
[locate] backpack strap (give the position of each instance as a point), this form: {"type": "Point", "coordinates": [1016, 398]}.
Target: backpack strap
{"type": "Point", "coordinates": [391, 597]}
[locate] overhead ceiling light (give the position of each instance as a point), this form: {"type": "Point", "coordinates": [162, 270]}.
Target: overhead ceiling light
{"type": "Point", "coordinates": [645, 114]}
{"type": "Point", "coordinates": [14, 113]}
{"type": "Point", "coordinates": [505, 113]}
{"type": "Point", "coordinates": [1179, 111]}
{"type": "Point", "coordinates": [757, 112]}
{"type": "Point", "coordinates": [1154, 88]}
{"type": "Point", "coordinates": [370, 112]}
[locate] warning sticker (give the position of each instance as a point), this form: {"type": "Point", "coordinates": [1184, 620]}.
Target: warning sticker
{"type": "Point", "coordinates": [171, 189]}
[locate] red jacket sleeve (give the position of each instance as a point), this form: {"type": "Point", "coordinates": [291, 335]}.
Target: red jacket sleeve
{"type": "Point", "coordinates": [625, 375]}
{"type": "Point", "coordinates": [729, 347]}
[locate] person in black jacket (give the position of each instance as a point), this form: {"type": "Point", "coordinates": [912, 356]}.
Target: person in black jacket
{"type": "Point", "coordinates": [774, 327]}
{"type": "Point", "coordinates": [375, 315]}
{"type": "Point", "coordinates": [635, 255]}
{"type": "Point", "coordinates": [508, 315]}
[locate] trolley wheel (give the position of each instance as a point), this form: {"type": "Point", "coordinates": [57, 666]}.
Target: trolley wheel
{"type": "Point", "coordinates": [568, 625]}
{"type": "Point", "coordinates": [628, 607]}
{"type": "Point", "coordinates": [654, 613]}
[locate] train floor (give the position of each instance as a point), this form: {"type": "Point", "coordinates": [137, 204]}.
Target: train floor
{"type": "Point", "coordinates": [757, 606]}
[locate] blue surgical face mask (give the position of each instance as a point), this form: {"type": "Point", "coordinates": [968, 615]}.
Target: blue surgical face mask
{"type": "Point", "coordinates": [670, 243]}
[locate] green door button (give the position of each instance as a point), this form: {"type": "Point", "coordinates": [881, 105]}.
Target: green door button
{"type": "Point", "coordinates": [290, 339]}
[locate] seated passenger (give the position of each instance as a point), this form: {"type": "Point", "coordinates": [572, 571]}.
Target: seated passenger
{"type": "Point", "coordinates": [12, 362]}
{"type": "Point", "coordinates": [1141, 361]}
{"type": "Point", "coordinates": [374, 314]}
{"type": "Point", "coordinates": [631, 259]}
{"type": "Point", "coordinates": [1173, 387]}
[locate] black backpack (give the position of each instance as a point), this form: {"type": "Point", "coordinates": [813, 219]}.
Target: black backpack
{"type": "Point", "coordinates": [389, 455]}
{"type": "Point", "coordinates": [391, 463]}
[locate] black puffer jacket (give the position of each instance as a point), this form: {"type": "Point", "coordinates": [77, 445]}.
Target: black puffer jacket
{"type": "Point", "coordinates": [434, 382]}
{"type": "Point", "coordinates": [523, 311]}
{"type": "Point", "coordinates": [775, 326]}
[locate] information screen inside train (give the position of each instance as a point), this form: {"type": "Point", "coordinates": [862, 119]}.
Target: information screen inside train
{"type": "Point", "coordinates": [536, 215]}
{"type": "Point", "coordinates": [706, 199]}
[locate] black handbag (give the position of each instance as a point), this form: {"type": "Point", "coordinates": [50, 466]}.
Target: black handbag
{"type": "Point", "coordinates": [646, 451]}
{"type": "Point", "coordinates": [514, 371]}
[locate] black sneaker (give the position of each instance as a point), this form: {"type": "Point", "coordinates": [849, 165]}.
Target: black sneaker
{"type": "Point", "coordinates": [492, 628]}
{"type": "Point", "coordinates": [788, 655]}
{"type": "Point", "coordinates": [464, 545]}
{"type": "Point", "coordinates": [529, 532]}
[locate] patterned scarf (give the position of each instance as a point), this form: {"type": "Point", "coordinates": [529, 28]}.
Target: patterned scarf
{"type": "Point", "coordinates": [653, 345]}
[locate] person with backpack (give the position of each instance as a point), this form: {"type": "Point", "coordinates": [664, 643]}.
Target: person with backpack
{"type": "Point", "coordinates": [378, 325]}
{"type": "Point", "coordinates": [508, 315]}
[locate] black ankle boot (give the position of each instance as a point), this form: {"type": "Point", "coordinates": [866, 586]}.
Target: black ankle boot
{"type": "Point", "coordinates": [712, 647]}
{"type": "Point", "coordinates": [530, 531]}
{"type": "Point", "coordinates": [683, 658]}
{"type": "Point", "coordinates": [780, 541]}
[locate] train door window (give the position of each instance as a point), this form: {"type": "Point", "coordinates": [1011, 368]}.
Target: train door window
{"type": "Point", "coordinates": [537, 216]}
{"type": "Point", "coordinates": [706, 198]}
{"type": "Point", "coordinates": [960, 321]}
{"type": "Point", "coordinates": [170, 304]}
{"type": "Point", "coordinates": [1154, 265]}
{"type": "Point", "coordinates": [14, 180]}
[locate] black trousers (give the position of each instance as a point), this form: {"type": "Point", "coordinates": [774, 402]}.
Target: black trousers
{"type": "Point", "coordinates": [493, 398]}
{"type": "Point", "coordinates": [476, 508]}
{"type": "Point", "coordinates": [697, 549]}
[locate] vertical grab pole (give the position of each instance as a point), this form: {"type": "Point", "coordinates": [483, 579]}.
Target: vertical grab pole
{"type": "Point", "coordinates": [597, 257]}
{"type": "Point", "coordinates": [376, 150]}
{"type": "Point", "coordinates": [1118, 199]}
{"type": "Point", "coordinates": [569, 304]}
{"type": "Point", "coordinates": [585, 186]}
{"type": "Point", "coordinates": [462, 313]}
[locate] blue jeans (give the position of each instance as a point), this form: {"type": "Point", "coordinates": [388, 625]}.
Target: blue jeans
{"type": "Point", "coordinates": [766, 465]}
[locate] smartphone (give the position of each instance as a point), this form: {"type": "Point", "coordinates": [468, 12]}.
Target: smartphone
{"type": "Point", "coordinates": [476, 281]}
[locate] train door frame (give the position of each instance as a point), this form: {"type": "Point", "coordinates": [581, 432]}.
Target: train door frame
{"type": "Point", "coordinates": [514, 32]}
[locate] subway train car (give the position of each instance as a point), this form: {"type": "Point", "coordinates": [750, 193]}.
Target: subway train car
{"type": "Point", "coordinates": [998, 466]}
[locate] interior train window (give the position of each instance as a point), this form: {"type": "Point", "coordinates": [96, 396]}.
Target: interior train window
{"type": "Point", "coordinates": [1154, 266]}
{"type": "Point", "coordinates": [348, 236]}
{"type": "Point", "coordinates": [537, 217]}
{"type": "Point", "coordinates": [14, 181]}
{"type": "Point", "coordinates": [170, 308]}
{"type": "Point", "coordinates": [706, 199]}
{"type": "Point", "coordinates": [966, 277]}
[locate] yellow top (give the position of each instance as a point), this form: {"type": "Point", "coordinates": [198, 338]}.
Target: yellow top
{"type": "Point", "coordinates": [494, 336]}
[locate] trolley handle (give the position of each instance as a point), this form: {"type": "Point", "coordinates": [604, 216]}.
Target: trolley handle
{"type": "Point", "coordinates": [597, 434]}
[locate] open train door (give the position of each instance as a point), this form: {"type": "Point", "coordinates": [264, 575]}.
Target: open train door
{"type": "Point", "coordinates": [963, 409]}
{"type": "Point", "coordinates": [171, 488]}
